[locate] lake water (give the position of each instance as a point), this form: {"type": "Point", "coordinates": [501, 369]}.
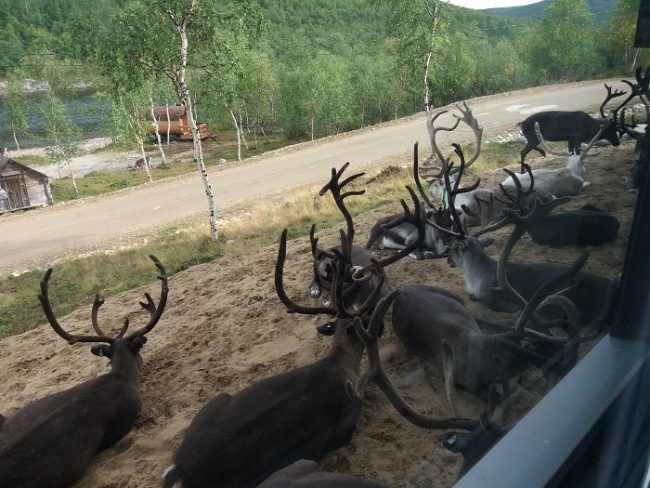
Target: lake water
{"type": "Point", "coordinates": [84, 108]}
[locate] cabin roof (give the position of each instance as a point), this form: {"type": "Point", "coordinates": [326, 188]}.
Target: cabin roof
{"type": "Point", "coordinates": [6, 163]}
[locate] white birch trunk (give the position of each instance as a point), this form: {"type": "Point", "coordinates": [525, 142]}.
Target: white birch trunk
{"type": "Point", "coordinates": [241, 130]}
{"type": "Point", "coordinates": [156, 125]}
{"type": "Point", "coordinates": [312, 128]}
{"type": "Point", "coordinates": [20, 153]}
{"type": "Point", "coordinates": [237, 129]}
{"type": "Point", "coordinates": [181, 85]}
{"type": "Point", "coordinates": [144, 159]}
{"type": "Point", "coordinates": [169, 122]}
{"type": "Point", "coordinates": [636, 55]}
{"type": "Point", "coordinates": [74, 182]}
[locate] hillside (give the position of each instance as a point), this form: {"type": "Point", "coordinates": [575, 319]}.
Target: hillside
{"type": "Point", "coordinates": [600, 9]}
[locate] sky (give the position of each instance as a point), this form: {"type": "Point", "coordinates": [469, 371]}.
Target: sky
{"type": "Point", "coordinates": [476, 4]}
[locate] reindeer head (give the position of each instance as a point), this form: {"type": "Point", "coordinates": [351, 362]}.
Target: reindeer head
{"type": "Point", "coordinates": [133, 342]}
{"type": "Point", "coordinates": [342, 326]}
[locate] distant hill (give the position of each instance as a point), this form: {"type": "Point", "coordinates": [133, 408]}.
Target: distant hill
{"type": "Point", "coordinates": [601, 9]}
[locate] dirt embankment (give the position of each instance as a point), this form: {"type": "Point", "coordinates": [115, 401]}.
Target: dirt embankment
{"type": "Point", "coordinates": [224, 328]}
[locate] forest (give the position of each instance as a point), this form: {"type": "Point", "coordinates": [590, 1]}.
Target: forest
{"type": "Point", "coordinates": [302, 68]}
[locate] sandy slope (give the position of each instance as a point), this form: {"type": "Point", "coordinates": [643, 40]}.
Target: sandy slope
{"type": "Point", "coordinates": [224, 328]}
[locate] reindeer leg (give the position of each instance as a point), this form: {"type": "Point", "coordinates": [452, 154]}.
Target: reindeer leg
{"type": "Point", "coordinates": [448, 371]}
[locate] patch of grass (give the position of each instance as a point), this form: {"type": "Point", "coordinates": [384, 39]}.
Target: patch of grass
{"type": "Point", "coordinates": [34, 160]}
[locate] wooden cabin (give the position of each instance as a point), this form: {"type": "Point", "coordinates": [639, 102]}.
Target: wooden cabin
{"type": "Point", "coordinates": [177, 122]}
{"type": "Point", "coordinates": [22, 187]}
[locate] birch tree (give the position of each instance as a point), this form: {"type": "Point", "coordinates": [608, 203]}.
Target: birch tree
{"type": "Point", "coordinates": [180, 20]}
{"type": "Point", "coordinates": [15, 102]}
{"type": "Point", "coordinates": [130, 125]}
{"type": "Point", "coordinates": [61, 133]}
{"type": "Point", "coordinates": [198, 37]}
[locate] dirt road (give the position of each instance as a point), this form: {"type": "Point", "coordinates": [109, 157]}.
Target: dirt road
{"type": "Point", "coordinates": [40, 236]}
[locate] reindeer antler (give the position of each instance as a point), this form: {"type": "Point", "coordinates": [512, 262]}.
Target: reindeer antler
{"type": "Point", "coordinates": [336, 186]}
{"type": "Point", "coordinates": [467, 118]}
{"type": "Point", "coordinates": [377, 374]}
{"type": "Point", "coordinates": [155, 312]}
{"type": "Point", "coordinates": [610, 96]}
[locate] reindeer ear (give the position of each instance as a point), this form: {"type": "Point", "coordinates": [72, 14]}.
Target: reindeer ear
{"type": "Point", "coordinates": [485, 241]}
{"type": "Point", "coordinates": [137, 342]}
{"type": "Point", "coordinates": [326, 329]}
{"type": "Point", "coordinates": [452, 441]}
{"type": "Point", "coordinates": [102, 350]}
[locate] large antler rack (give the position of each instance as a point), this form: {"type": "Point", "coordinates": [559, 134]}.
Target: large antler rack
{"type": "Point", "coordinates": [639, 89]}
{"type": "Point", "coordinates": [610, 96]}
{"type": "Point", "coordinates": [467, 118]}
{"type": "Point", "coordinates": [546, 294]}
{"type": "Point", "coordinates": [336, 187]}
{"type": "Point", "coordinates": [458, 230]}
{"type": "Point", "coordinates": [341, 265]}
{"type": "Point", "coordinates": [377, 374]}
{"type": "Point", "coordinates": [155, 312]}
{"type": "Point", "coordinates": [519, 202]}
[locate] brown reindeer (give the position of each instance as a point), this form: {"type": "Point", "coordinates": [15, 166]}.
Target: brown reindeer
{"type": "Point", "coordinates": [51, 442]}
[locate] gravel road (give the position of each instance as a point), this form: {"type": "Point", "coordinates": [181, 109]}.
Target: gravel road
{"type": "Point", "coordinates": [41, 236]}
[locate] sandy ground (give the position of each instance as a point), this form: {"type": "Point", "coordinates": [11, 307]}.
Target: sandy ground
{"type": "Point", "coordinates": [224, 328]}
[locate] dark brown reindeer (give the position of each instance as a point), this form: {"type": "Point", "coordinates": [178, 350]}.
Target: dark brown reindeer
{"type": "Point", "coordinates": [51, 442]}
{"type": "Point", "coordinates": [474, 444]}
{"type": "Point", "coordinates": [585, 226]}
{"type": "Point", "coordinates": [574, 127]}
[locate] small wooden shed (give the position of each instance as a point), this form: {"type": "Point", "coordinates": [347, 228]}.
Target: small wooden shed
{"type": "Point", "coordinates": [22, 187]}
{"type": "Point", "coordinates": [178, 123]}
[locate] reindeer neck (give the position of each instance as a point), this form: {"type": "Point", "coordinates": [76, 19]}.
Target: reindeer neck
{"type": "Point", "coordinates": [124, 365]}
{"type": "Point", "coordinates": [346, 354]}
{"type": "Point", "coordinates": [476, 259]}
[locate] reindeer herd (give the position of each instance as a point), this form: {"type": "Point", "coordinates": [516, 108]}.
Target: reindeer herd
{"type": "Point", "coordinates": [274, 432]}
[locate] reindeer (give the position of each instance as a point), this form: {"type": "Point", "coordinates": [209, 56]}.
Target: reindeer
{"type": "Point", "coordinates": [479, 205]}
{"type": "Point", "coordinates": [51, 442]}
{"type": "Point", "coordinates": [433, 324]}
{"type": "Point", "coordinates": [560, 182]}
{"type": "Point", "coordinates": [474, 444]}
{"type": "Point", "coordinates": [360, 257]}
{"type": "Point", "coordinates": [307, 474]}
{"type": "Point", "coordinates": [591, 293]}
{"type": "Point", "coordinates": [402, 230]}
{"type": "Point", "coordinates": [574, 127]}
{"type": "Point", "coordinates": [639, 133]}
{"type": "Point", "coordinates": [585, 226]}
